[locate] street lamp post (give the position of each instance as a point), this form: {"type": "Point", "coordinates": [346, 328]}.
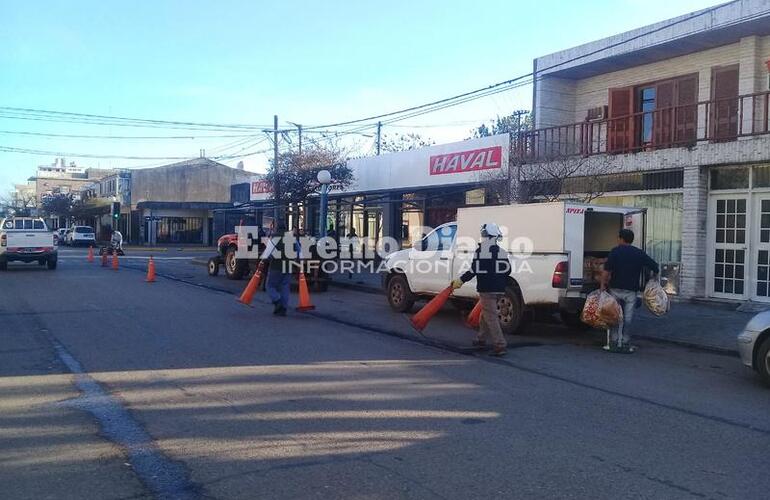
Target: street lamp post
{"type": "Point", "coordinates": [325, 178]}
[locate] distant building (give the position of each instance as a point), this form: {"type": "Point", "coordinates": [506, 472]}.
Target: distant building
{"type": "Point", "coordinates": [171, 204]}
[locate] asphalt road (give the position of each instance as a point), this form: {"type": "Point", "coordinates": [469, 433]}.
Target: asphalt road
{"type": "Point", "coordinates": [114, 388]}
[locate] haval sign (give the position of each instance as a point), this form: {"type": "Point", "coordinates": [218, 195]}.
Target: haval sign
{"type": "Point", "coordinates": [261, 187]}
{"type": "Point", "coordinates": [467, 161]}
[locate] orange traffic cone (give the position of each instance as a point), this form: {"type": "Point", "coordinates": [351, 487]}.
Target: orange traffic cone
{"type": "Point", "coordinates": [304, 295]}
{"type": "Point", "coordinates": [424, 315]}
{"type": "Point", "coordinates": [474, 318]}
{"type": "Point", "coordinates": [248, 293]}
{"type": "Point", "coordinates": [150, 271]}
{"type": "Point", "coordinates": [114, 261]}
{"type": "Point", "coordinates": [90, 254]}
{"type": "Point", "coordinates": [104, 259]}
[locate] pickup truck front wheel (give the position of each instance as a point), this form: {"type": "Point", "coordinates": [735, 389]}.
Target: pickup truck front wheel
{"type": "Point", "coordinates": [3, 264]}
{"type": "Point", "coordinates": [52, 264]}
{"type": "Point", "coordinates": [400, 297]}
{"type": "Point", "coordinates": [510, 311]}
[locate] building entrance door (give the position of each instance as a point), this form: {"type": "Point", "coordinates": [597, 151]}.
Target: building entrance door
{"type": "Point", "coordinates": [760, 289]}
{"type": "Point", "coordinates": [729, 249]}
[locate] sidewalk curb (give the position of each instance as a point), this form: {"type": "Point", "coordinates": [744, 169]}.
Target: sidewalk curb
{"type": "Point", "coordinates": [691, 345]}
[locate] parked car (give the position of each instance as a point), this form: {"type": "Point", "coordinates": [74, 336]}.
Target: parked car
{"type": "Point", "coordinates": [80, 235]}
{"type": "Point", "coordinates": [754, 345]}
{"type": "Point", "coordinates": [569, 244]}
{"type": "Point", "coordinates": [26, 239]}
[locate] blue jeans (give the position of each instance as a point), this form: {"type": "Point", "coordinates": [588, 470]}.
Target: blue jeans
{"type": "Point", "coordinates": [621, 334]}
{"type": "Point", "coordinates": [278, 287]}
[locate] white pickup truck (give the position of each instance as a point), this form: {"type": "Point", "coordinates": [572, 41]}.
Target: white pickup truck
{"type": "Point", "coordinates": [557, 252]}
{"type": "Point", "coordinates": [26, 239]}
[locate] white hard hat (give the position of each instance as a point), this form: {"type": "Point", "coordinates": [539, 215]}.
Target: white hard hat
{"type": "Point", "coordinates": [490, 230]}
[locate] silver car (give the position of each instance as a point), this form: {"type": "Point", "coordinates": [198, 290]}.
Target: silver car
{"type": "Point", "coordinates": [754, 345]}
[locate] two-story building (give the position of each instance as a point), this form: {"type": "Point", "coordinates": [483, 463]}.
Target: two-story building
{"type": "Point", "coordinates": [678, 111]}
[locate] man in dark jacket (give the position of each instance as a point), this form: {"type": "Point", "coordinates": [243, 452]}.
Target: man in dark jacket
{"type": "Point", "coordinates": [622, 274]}
{"type": "Point", "coordinates": [491, 268]}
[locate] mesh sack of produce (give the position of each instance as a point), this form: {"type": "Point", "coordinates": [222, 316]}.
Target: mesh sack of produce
{"type": "Point", "coordinates": [655, 298]}
{"type": "Point", "coordinates": [601, 310]}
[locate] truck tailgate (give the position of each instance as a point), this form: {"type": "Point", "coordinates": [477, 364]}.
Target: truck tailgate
{"type": "Point", "coordinates": [29, 239]}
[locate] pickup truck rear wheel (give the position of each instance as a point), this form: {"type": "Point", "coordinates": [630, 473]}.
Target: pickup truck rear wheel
{"type": "Point", "coordinates": [235, 269]}
{"type": "Point", "coordinates": [52, 264]}
{"type": "Point", "coordinates": [763, 361]}
{"type": "Point", "coordinates": [510, 311]}
{"type": "Point", "coordinates": [400, 297]}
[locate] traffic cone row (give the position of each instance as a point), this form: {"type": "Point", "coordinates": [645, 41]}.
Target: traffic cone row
{"type": "Point", "coordinates": [90, 257]}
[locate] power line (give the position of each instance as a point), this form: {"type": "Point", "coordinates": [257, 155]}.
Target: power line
{"type": "Point", "coordinates": [484, 91]}
{"type": "Point", "coordinates": [124, 137]}
{"type": "Point", "coordinates": [8, 149]}
{"type": "Point", "coordinates": [111, 119]}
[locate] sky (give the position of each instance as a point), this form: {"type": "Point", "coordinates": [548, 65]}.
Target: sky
{"type": "Point", "coordinates": [243, 61]}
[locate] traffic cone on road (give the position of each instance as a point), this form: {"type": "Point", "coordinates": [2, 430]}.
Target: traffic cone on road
{"type": "Point", "coordinates": [104, 259]}
{"type": "Point", "coordinates": [304, 295]}
{"type": "Point", "coordinates": [420, 320]}
{"type": "Point", "coordinates": [474, 318]}
{"type": "Point", "coordinates": [90, 257]}
{"type": "Point", "coordinates": [248, 293]}
{"type": "Point", "coordinates": [150, 271]}
{"type": "Point", "coordinates": [115, 261]}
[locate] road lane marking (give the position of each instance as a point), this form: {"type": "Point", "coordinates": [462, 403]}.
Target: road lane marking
{"type": "Point", "coordinates": [164, 477]}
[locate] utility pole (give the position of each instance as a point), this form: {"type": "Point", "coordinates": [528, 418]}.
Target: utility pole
{"type": "Point", "coordinates": [276, 176]}
{"type": "Point", "coordinates": [299, 133]}
{"type": "Point", "coordinates": [379, 137]}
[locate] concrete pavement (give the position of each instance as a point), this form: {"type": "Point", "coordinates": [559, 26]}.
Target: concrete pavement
{"type": "Point", "coordinates": [303, 407]}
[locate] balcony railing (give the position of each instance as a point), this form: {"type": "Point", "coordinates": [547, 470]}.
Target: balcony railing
{"type": "Point", "coordinates": [716, 120]}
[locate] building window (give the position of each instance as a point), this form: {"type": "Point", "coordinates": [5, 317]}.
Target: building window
{"type": "Point", "coordinates": [647, 107]}
{"type": "Point", "coordinates": [729, 178]}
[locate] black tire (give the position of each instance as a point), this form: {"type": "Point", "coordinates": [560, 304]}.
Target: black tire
{"type": "Point", "coordinates": [400, 296]}
{"type": "Point", "coordinates": [763, 361]}
{"type": "Point", "coordinates": [52, 264]}
{"type": "Point", "coordinates": [213, 266]}
{"type": "Point", "coordinates": [510, 310]}
{"type": "Point", "coordinates": [572, 320]}
{"type": "Point", "coordinates": [235, 269]}
{"type": "Point", "coordinates": [3, 265]}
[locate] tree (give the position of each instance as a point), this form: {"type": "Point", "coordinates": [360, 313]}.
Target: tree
{"type": "Point", "coordinates": [518, 121]}
{"type": "Point", "coordinates": [393, 143]}
{"type": "Point", "coordinates": [18, 203]}
{"type": "Point", "coordinates": [297, 173]}
{"type": "Point", "coordinates": [58, 204]}
{"type": "Point", "coordinates": [577, 178]}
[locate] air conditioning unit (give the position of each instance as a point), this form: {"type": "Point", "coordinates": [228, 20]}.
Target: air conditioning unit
{"type": "Point", "coordinates": [597, 113]}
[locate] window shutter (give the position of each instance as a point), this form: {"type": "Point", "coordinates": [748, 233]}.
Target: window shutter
{"type": "Point", "coordinates": [724, 108]}
{"type": "Point", "coordinates": [620, 124]}
{"type": "Point", "coordinates": [663, 118]}
{"type": "Point", "coordinates": [687, 110]}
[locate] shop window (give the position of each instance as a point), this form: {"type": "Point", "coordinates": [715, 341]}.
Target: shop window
{"type": "Point", "coordinates": [761, 176]}
{"type": "Point", "coordinates": [730, 178]}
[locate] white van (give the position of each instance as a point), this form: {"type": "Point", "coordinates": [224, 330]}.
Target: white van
{"type": "Point", "coordinates": [557, 252]}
